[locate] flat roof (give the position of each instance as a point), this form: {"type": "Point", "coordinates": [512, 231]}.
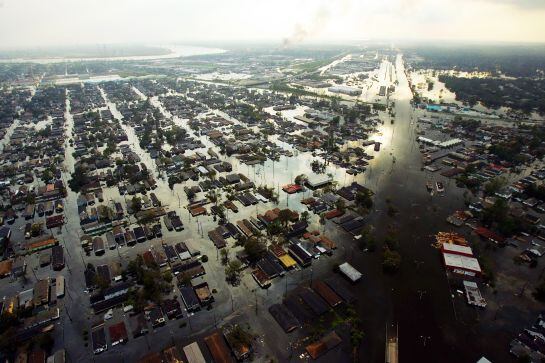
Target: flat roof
{"type": "Point", "coordinates": [457, 249]}
{"type": "Point", "coordinates": [318, 180]}
{"type": "Point", "coordinates": [350, 271]}
{"type": "Point", "coordinates": [218, 348]}
{"type": "Point", "coordinates": [287, 261]}
{"type": "Point", "coordinates": [463, 262]}
{"type": "Point", "coordinates": [193, 353]}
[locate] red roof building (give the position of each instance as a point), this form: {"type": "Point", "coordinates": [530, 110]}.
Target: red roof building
{"type": "Point", "coordinates": [118, 333]}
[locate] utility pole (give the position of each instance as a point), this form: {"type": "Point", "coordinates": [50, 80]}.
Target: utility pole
{"type": "Point", "coordinates": [64, 243]}
{"type": "Point", "coordinates": [255, 294]}
{"type": "Point", "coordinates": [215, 321]}
{"type": "Point", "coordinates": [82, 260]}
{"type": "Point", "coordinates": [189, 321]}
{"type": "Point", "coordinates": [67, 313]}
{"type": "Point", "coordinates": [34, 273]}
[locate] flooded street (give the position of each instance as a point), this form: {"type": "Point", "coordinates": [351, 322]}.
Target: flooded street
{"type": "Point", "coordinates": [289, 181]}
{"type": "Point", "coordinates": [417, 298]}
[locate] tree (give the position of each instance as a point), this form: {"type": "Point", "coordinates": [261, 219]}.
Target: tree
{"type": "Point", "coordinates": [167, 276]}
{"type": "Point", "coordinates": [101, 282]}
{"type": "Point", "coordinates": [268, 193]}
{"type": "Point", "coordinates": [494, 186]}
{"type": "Point", "coordinates": [224, 254]}
{"type": "Point", "coordinates": [79, 179]}
{"type": "Point", "coordinates": [305, 216]}
{"type": "Point", "coordinates": [212, 196]}
{"type": "Point", "coordinates": [367, 240]}
{"type": "Point", "coordinates": [239, 338]}
{"type": "Point", "coordinates": [300, 179]}
{"type": "Point", "coordinates": [47, 175]}
{"type": "Point", "coordinates": [371, 244]}
{"type": "Point", "coordinates": [7, 340]}
{"type": "Point", "coordinates": [36, 229]}
{"type": "Point", "coordinates": [364, 199]}
{"type": "Point", "coordinates": [356, 337]}
{"type": "Point", "coordinates": [232, 271]}
{"type": "Point", "coordinates": [212, 175]}
{"type": "Point", "coordinates": [284, 216]}
{"type": "Point", "coordinates": [391, 260]}
{"type": "Point", "coordinates": [391, 242]}
{"type": "Point", "coordinates": [136, 204]}
{"type": "Point", "coordinates": [340, 205]}
{"type": "Point", "coordinates": [274, 228]}
{"type": "Point", "coordinates": [105, 213]}
{"type": "Point", "coordinates": [220, 211]}
{"type": "Point", "coordinates": [498, 214]}
{"type": "Point", "coordinates": [44, 341]}
{"type": "Point", "coordinates": [254, 248]}
{"type": "Point", "coordinates": [45, 132]}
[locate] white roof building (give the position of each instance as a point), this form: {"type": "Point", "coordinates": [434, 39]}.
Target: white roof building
{"type": "Point", "coordinates": [441, 144]}
{"type": "Point", "coordinates": [457, 249]}
{"type": "Point", "coordinates": [350, 272]}
{"type": "Point", "coordinates": [202, 170]}
{"type": "Point", "coordinates": [318, 181]}
{"type": "Point", "coordinates": [351, 91]}
{"type": "Point", "coordinates": [462, 264]}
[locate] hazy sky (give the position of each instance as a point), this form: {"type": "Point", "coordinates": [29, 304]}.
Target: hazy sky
{"type": "Point", "coordinates": [28, 23]}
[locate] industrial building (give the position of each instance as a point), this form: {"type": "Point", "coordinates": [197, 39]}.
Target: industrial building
{"type": "Point", "coordinates": [350, 91]}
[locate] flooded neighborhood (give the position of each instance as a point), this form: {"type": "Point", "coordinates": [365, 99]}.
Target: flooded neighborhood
{"type": "Point", "coordinates": [362, 201]}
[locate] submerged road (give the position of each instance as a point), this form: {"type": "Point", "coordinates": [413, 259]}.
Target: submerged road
{"type": "Point", "coordinates": [416, 298]}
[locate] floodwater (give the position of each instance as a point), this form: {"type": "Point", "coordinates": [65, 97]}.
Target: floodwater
{"type": "Point", "coordinates": [416, 299]}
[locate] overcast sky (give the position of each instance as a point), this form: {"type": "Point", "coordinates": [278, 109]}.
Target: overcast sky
{"type": "Point", "coordinates": [29, 23]}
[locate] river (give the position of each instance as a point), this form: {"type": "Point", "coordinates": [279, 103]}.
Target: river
{"type": "Point", "coordinates": [176, 51]}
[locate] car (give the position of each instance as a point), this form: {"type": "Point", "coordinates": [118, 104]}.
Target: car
{"type": "Point", "coordinates": [109, 314]}
{"type": "Point", "coordinates": [157, 230]}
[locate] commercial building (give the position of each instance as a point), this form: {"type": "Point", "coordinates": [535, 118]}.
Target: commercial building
{"type": "Point", "coordinates": [461, 264]}
{"type": "Point", "coordinates": [318, 182]}
{"type": "Point", "coordinates": [118, 333]}
{"type": "Point", "coordinates": [98, 337]}
{"type": "Point", "coordinates": [41, 292]}
{"type": "Point", "coordinates": [284, 317]}
{"type": "Point", "coordinates": [440, 144]}
{"type": "Point", "coordinates": [473, 294]}
{"type": "Point", "coordinates": [350, 91]}
{"type": "Point", "coordinates": [193, 353]}
{"type": "Point", "coordinates": [350, 272]}
{"type": "Point", "coordinates": [322, 346]}
{"type": "Point", "coordinates": [218, 348]}
{"type": "Point", "coordinates": [457, 249]}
